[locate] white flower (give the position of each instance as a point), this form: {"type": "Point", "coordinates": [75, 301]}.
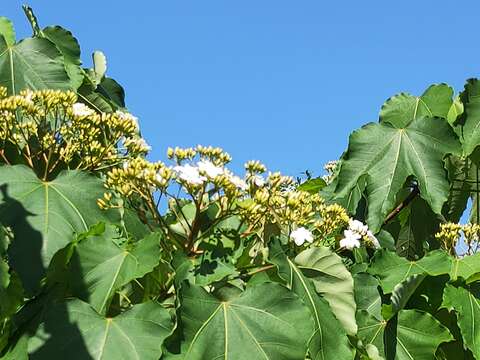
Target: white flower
{"type": "Point", "coordinates": [125, 165]}
{"type": "Point", "coordinates": [127, 116]}
{"type": "Point", "coordinates": [351, 240]}
{"type": "Point", "coordinates": [300, 235]}
{"type": "Point", "coordinates": [373, 239]}
{"type": "Point", "coordinates": [81, 110]}
{"type": "Point", "coordinates": [189, 174]}
{"type": "Point", "coordinates": [238, 182]}
{"type": "Point", "coordinates": [258, 180]}
{"type": "Point", "coordinates": [358, 227]}
{"type": "Point", "coordinates": [209, 168]}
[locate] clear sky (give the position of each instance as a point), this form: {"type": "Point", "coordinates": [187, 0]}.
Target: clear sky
{"type": "Point", "coordinates": [280, 81]}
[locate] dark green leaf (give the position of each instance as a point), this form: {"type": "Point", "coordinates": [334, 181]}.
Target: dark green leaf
{"type": "Point", "coordinates": [45, 214]}
{"type": "Point", "coordinates": [392, 269]}
{"type": "Point", "coordinates": [75, 331]}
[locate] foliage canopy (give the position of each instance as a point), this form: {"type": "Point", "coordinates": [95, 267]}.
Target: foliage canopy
{"type": "Point", "coordinates": [107, 255]}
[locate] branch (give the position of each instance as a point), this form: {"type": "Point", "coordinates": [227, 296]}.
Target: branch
{"type": "Point", "coordinates": [402, 205]}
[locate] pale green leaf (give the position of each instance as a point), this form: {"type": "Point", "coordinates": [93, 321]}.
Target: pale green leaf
{"type": "Point", "coordinates": [333, 281]}
{"type": "Point", "coordinates": [329, 340]}
{"type": "Point", "coordinates": [7, 30]}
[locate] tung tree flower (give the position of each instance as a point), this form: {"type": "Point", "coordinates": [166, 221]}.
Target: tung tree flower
{"type": "Point", "coordinates": [81, 110]}
{"type": "Point", "coordinates": [358, 227]}
{"type": "Point", "coordinates": [351, 240]}
{"type": "Point", "coordinates": [189, 174]}
{"type": "Point", "coordinates": [300, 235]}
{"type": "Point", "coordinates": [210, 169]}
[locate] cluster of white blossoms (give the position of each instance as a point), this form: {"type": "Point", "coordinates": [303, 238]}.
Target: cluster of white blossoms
{"type": "Point", "coordinates": [205, 170]}
{"type": "Point", "coordinates": [358, 231]}
{"type": "Point", "coordinates": [81, 110]}
{"type": "Point", "coordinates": [301, 235]}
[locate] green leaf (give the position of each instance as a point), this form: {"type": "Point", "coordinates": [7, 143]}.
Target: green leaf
{"type": "Point", "coordinates": [419, 228]}
{"type": "Point", "coordinates": [388, 156]}
{"type": "Point", "coordinates": [7, 30]}
{"type": "Point", "coordinates": [112, 91]}
{"type": "Point", "coordinates": [70, 49]}
{"type": "Point", "coordinates": [455, 110]}
{"type": "Point", "coordinates": [100, 266]}
{"type": "Point", "coordinates": [471, 116]}
{"type": "Point", "coordinates": [465, 267]}
{"type": "Point", "coordinates": [333, 281]}
{"type": "Point", "coordinates": [367, 296]}
{"type": "Point", "coordinates": [33, 63]}
{"type": "Point", "coordinates": [461, 173]}
{"type": "Point", "coordinates": [18, 350]}
{"type": "Point", "coordinates": [467, 307]}
{"type": "Point", "coordinates": [401, 109]}
{"type": "Point", "coordinates": [75, 331]}
{"type": "Point", "coordinates": [415, 336]}
{"type": "Point", "coordinates": [401, 293]}
{"type": "Point", "coordinates": [45, 214]}
{"type": "Point", "coordinates": [392, 269]}
{"type": "Point", "coordinates": [266, 322]}
{"type": "Point", "coordinates": [329, 340]}
{"type": "Point", "coordinates": [313, 186]}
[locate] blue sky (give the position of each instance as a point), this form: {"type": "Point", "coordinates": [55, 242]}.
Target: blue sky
{"type": "Point", "coordinates": [284, 82]}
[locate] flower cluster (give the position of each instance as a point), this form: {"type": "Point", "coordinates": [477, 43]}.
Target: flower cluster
{"type": "Point", "coordinates": [50, 128]}
{"type": "Point", "coordinates": [450, 234]}
{"type": "Point", "coordinates": [356, 232]}
{"type": "Point", "coordinates": [330, 167]}
{"type": "Point", "coordinates": [259, 198]}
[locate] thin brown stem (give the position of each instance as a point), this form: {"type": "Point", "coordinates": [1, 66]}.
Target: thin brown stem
{"type": "Point", "coordinates": [413, 194]}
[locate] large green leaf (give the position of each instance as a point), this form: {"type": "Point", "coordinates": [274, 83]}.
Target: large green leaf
{"type": "Point", "coordinates": [401, 109]}
{"type": "Point", "coordinates": [467, 307]}
{"type": "Point", "coordinates": [367, 295]}
{"type": "Point", "coordinates": [419, 227]}
{"type": "Point", "coordinates": [333, 281]}
{"type": "Point", "coordinates": [471, 116]}
{"type": "Point", "coordinates": [75, 331]}
{"type": "Point", "coordinates": [70, 49]}
{"type": "Point", "coordinates": [329, 340]}
{"type": "Point", "coordinates": [99, 266]}
{"type": "Point", "coordinates": [44, 215]}
{"type": "Point", "coordinates": [33, 63]}
{"type": "Point", "coordinates": [388, 156]}
{"type": "Point", "coordinates": [267, 321]}
{"type": "Point", "coordinates": [465, 267]}
{"type": "Point", "coordinates": [7, 30]}
{"type": "Point", "coordinates": [416, 335]}
{"type": "Point", "coordinates": [392, 269]}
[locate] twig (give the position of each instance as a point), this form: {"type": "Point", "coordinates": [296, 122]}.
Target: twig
{"type": "Point", "coordinates": [403, 204]}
